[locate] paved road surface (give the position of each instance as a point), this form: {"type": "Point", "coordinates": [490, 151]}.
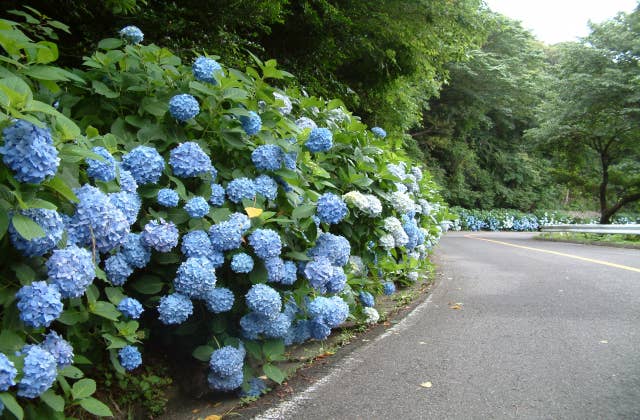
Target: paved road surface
{"type": "Point", "coordinates": [539, 335]}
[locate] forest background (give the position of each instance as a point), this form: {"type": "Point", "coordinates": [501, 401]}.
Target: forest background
{"type": "Point", "coordinates": [502, 120]}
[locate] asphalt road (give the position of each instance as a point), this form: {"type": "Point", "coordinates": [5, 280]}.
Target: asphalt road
{"type": "Point", "coordinates": [538, 335]}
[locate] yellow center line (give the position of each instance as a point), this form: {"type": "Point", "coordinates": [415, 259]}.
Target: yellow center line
{"type": "Point", "coordinates": [562, 254]}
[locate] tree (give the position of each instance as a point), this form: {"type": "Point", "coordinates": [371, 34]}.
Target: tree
{"type": "Point", "coordinates": [590, 121]}
{"type": "Point", "coordinates": [473, 131]}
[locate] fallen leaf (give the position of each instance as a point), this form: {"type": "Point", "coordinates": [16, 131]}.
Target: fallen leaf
{"type": "Point", "coordinates": [422, 342]}
{"type": "Point", "coordinates": [604, 341]}
{"type": "Point", "coordinates": [253, 212]}
{"type": "Point", "coordinates": [195, 410]}
{"type": "Point", "coordinates": [426, 384]}
{"type": "Point", "coordinates": [213, 417]}
{"type": "Point", "coordinates": [456, 306]}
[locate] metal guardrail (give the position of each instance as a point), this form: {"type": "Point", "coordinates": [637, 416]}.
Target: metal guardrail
{"type": "Point", "coordinates": [628, 229]}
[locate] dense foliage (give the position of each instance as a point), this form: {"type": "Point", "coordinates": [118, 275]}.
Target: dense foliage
{"type": "Point", "coordinates": [145, 198]}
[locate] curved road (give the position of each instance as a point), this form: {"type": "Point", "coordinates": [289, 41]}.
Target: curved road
{"type": "Point", "coordinates": [540, 335]}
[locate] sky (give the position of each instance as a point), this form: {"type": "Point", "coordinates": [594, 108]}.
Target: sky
{"type": "Point", "coordinates": [553, 21]}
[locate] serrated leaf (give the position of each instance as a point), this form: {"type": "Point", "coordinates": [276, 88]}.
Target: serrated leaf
{"type": "Point", "coordinates": [114, 294]}
{"type": "Point", "coordinates": [203, 353]}
{"type": "Point", "coordinates": [12, 405]}
{"type": "Point", "coordinates": [105, 309]}
{"type": "Point", "coordinates": [4, 222]}
{"type": "Point", "coordinates": [102, 89]}
{"type": "Point", "coordinates": [110, 43]}
{"type": "Point", "coordinates": [272, 348]}
{"type": "Point", "coordinates": [83, 388]}
{"type": "Point", "coordinates": [56, 402]}
{"type": "Point", "coordinates": [26, 227]}
{"type": "Point", "coordinates": [96, 407]}
{"type": "Point", "coordinates": [59, 186]}
{"type": "Point", "coordinates": [253, 212]}
{"type": "Point", "coordinates": [148, 285]}
{"type": "Point", "coordinates": [299, 256]}
{"type": "Point", "coordinates": [305, 210]}
{"type": "Point", "coordinates": [273, 373]}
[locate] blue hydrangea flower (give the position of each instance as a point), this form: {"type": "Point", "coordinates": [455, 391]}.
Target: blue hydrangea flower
{"type": "Point", "coordinates": [29, 152]}
{"type": "Point", "coordinates": [174, 309]}
{"type": "Point", "coordinates": [217, 195]}
{"type": "Point", "coordinates": [216, 258]}
{"type": "Point", "coordinates": [131, 308]}
{"type": "Point", "coordinates": [225, 236]}
{"type": "Point", "coordinates": [241, 263]}
{"type": "Point", "coordinates": [320, 140]}
{"type": "Point", "coordinates": [319, 273]}
{"type": "Point", "coordinates": [160, 235]}
{"type": "Point", "coordinates": [277, 327]}
{"type": "Point", "coordinates": [275, 268]}
{"type": "Point", "coordinates": [379, 132]}
{"type": "Point", "coordinates": [117, 269]}
{"type": "Point", "coordinates": [205, 69]}
{"type": "Point", "coordinates": [53, 226]}
{"type": "Point", "coordinates": [226, 361]}
{"type": "Point", "coordinates": [331, 311]}
{"type": "Point", "coordinates": [196, 244]}
{"type": "Point", "coordinates": [256, 388]}
{"type": "Point", "coordinates": [264, 300]}
{"type": "Point", "coordinates": [39, 372]}
{"type": "Point", "coordinates": [145, 164]}
{"type": "Point", "coordinates": [290, 159]}
{"type": "Point", "coordinates": [195, 277]}
{"type": "Point", "coordinates": [72, 270]}
{"type": "Point", "coordinates": [128, 203]}
{"type": "Point", "coordinates": [266, 243]}
{"type": "Point", "coordinates": [135, 252]}
{"type": "Point", "coordinates": [225, 383]}
{"type": "Point", "coordinates": [299, 332]}
{"type": "Point", "coordinates": [251, 124]}
{"type": "Point", "coordinates": [197, 207]}
{"type": "Point", "coordinates": [219, 300]}
{"type": "Point", "coordinates": [189, 160]}
{"type": "Point", "coordinates": [252, 325]}
{"type": "Point", "coordinates": [102, 170]}
{"type": "Point", "coordinates": [59, 348]}
{"type": "Point", "coordinates": [127, 181]}
{"type": "Point", "coordinates": [366, 299]}
{"type": "Point", "coordinates": [389, 288]}
{"type": "Point", "coordinates": [39, 304]}
{"type": "Point", "coordinates": [132, 34]}
{"type": "Point", "coordinates": [97, 221]}
{"type": "Point", "coordinates": [334, 247]}
{"type": "Point", "coordinates": [8, 373]}
{"type": "Point", "coordinates": [337, 281]}
{"type": "Point", "coordinates": [266, 186]}
{"type": "Point", "coordinates": [129, 357]}
{"type": "Point", "coordinates": [241, 189]}
{"type": "Point", "coordinates": [168, 197]}
{"type": "Point", "coordinates": [268, 157]}
{"type": "Point", "coordinates": [331, 208]}
{"type": "Point", "coordinates": [183, 107]}
{"type": "Point", "coordinates": [289, 273]}
{"type": "Point", "coordinates": [240, 220]}
{"type": "Point", "coordinates": [319, 330]}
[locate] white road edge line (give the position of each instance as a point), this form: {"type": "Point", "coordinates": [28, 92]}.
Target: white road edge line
{"type": "Point", "coordinates": [287, 408]}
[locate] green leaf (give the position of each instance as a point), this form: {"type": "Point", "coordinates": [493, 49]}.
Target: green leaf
{"type": "Point", "coordinates": [68, 129]}
{"type": "Point", "coordinates": [114, 294]}
{"type": "Point", "coordinates": [53, 400]}
{"type": "Point", "coordinates": [115, 342]}
{"type": "Point", "coordinates": [254, 349]}
{"type": "Point", "coordinates": [70, 317]}
{"type": "Point", "coordinates": [105, 310]}
{"type": "Point", "coordinates": [203, 353]}
{"type": "Point", "coordinates": [298, 256]}
{"type": "Point", "coordinates": [46, 52]}
{"type": "Point", "coordinates": [110, 43]}
{"type": "Point", "coordinates": [4, 222]}
{"type": "Point", "coordinates": [148, 285]}
{"type": "Point", "coordinates": [71, 372]}
{"type": "Point", "coordinates": [219, 215]}
{"type": "Point", "coordinates": [59, 186]}
{"type": "Point", "coordinates": [12, 405]}
{"type": "Point", "coordinates": [96, 407]}
{"type": "Point", "coordinates": [305, 210]}
{"type": "Point", "coordinates": [24, 273]}
{"type": "Point", "coordinates": [10, 342]}
{"type": "Point", "coordinates": [38, 203]}
{"type": "Point", "coordinates": [154, 106]}
{"type": "Point", "coordinates": [273, 373]}
{"type": "Point", "coordinates": [83, 388]}
{"type": "Point", "coordinates": [26, 227]}
{"type": "Point", "coordinates": [102, 89]}
{"type": "Point", "coordinates": [272, 348]}
{"type": "Point", "coordinates": [17, 93]}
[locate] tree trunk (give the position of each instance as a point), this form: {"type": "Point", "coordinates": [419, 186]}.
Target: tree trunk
{"type": "Point", "coordinates": [623, 201]}
{"type": "Point", "coordinates": [605, 217]}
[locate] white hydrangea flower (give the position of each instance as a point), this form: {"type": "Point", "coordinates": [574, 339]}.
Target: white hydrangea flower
{"type": "Point", "coordinates": [397, 170]}
{"type": "Point", "coordinates": [413, 276]}
{"type": "Point", "coordinates": [356, 265]}
{"type": "Point", "coordinates": [394, 227]}
{"type": "Point", "coordinates": [366, 203]}
{"type": "Point", "coordinates": [371, 315]}
{"type": "Point", "coordinates": [387, 242]}
{"type": "Point", "coordinates": [427, 208]}
{"type": "Point", "coordinates": [338, 115]}
{"type": "Point", "coordinates": [400, 187]}
{"type": "Point", "coordinates": [417, 173]}
{"type": "Point", "coordinates": [304, 122]}
{"type": "Point", "coordinates": [402, 202]}
{"type": "Point", "coordinates": [286, 109]}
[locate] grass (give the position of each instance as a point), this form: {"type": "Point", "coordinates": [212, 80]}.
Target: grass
{"type": "Point", "coordinates": [624, 241]}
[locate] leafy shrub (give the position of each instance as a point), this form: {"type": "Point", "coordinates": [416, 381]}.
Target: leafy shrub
{"type": "Point", "coordinates": [131, 228]}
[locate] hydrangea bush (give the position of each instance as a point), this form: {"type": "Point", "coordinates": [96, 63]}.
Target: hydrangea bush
{"type": "Point", "coordinates": [170, 197]}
